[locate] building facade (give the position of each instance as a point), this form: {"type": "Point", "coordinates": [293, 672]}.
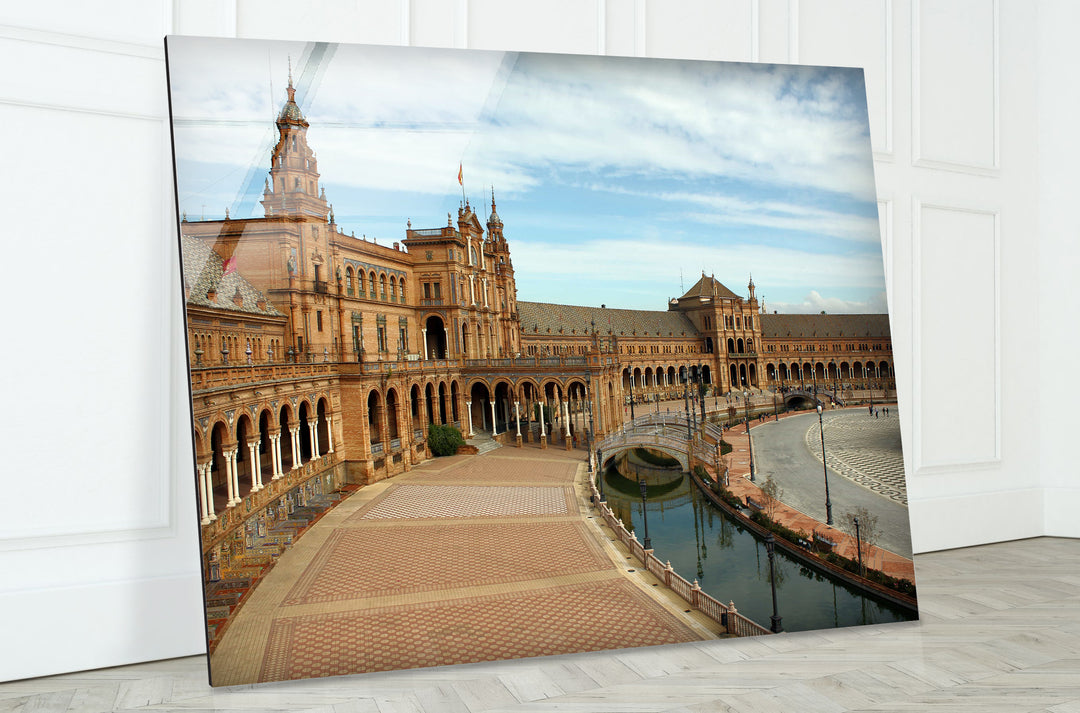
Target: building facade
{"type": "Point", "coordinates": [318, 359]}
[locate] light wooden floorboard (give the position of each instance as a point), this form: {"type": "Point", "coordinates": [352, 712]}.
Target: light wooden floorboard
{"type": "Point", "coordinates": [1000, 631]}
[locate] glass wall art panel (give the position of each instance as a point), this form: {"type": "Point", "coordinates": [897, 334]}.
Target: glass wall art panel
{"type": "Point", "coordinates": [498, 355]}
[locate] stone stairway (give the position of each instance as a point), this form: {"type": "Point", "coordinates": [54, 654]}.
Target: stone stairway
{"type": "Point", "coordinates": [484, 442]}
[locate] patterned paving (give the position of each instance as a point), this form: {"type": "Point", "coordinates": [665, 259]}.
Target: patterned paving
{"type": "Point", "coordinates": [863, 449]}
{"type": "Point", "coordinates": [458, 501]}
{"type": "Point", "coordinates": [507, 470]}
{"type": "Point", "coordinates": [376, 561]}
{"type": "Point", "coordinates": [611, 614]}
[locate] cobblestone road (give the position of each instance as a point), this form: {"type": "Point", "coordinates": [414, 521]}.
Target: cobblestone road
{"type": "Point", "coordinates": [864, 449]}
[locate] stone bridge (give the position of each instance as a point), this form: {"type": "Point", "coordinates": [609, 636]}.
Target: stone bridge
{"type": "Point", "coordinates": [807, 395]}
{"type": "Point", "coordinates": [666, 432]}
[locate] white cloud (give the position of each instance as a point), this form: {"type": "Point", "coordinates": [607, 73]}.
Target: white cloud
{"type": "Point", "coordinates": [815, 303]}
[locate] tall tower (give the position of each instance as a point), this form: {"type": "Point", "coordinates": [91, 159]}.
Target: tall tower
{"type": "Point", "coordinates": [293, 186]}
{"type": "Point", "coordinates": [505, 287]}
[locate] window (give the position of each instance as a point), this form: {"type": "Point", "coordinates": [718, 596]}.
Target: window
{"type": "Point", "coordinates": [382, 338]}
{"type": "Point", "coordinates": [318, 319]}
{"type": "Point", "coordinates": [403, 339]}
{"type": "Point", "coordinates": [427, 290]}
{"type": "Point", "coordinates": [438, 290]}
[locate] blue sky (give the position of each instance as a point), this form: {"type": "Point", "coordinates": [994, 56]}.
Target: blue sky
{"type": "Point", "coordinates": [619, 180]}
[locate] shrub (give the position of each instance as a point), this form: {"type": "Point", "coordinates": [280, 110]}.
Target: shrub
{"type": "Point", "coordinates": [444, 440]}
{"type": "Point", "coordinates": [725, 448]}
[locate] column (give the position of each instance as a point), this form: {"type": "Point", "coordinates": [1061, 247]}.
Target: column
{"type": "Point", "coordinates": [294, 433]}
{"type": "Point", "coordinates": [566, 418]}
{"type": "Point", "coordinates": [206, 506]}
{"type": "Point", "coordinates": [485, 292]}
{"type": "Point", "coordinates": [313, 429]}
{"type": "Point", "coordinates": [468, 412]}
{"type": "Point", "coordinates": [329, 433]}
{"type": "Point", "coordinates": [517, 418]}
{"type": "Point", "coordinates": [236, 474]}
{"type": "Point", "coordinates": [423, 330]}
{"type": "Point", "coordinates": [275, 455]}
{"type": "Point", "coordinates": [472, 292]}
{"type": "Point", "coordinates": [229, 479]}
{"type": "Point", "coordinates": [543, 431]}
{"type": "Point", "coordinates": [494, 424]}
{"type": "Point", "coordinates": [253, 456]}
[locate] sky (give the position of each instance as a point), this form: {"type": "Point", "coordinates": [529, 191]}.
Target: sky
{"type": "Point", "coordinates": [619, 180]}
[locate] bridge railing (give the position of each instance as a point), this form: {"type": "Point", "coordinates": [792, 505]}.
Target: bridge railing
{"type": "Point", "coordinates": [726, 615]}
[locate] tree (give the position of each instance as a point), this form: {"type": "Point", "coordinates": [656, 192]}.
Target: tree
{"type": "Point", "coordinates": [868, 532]}
{"type": "Point", "coordinates": [773, 495]}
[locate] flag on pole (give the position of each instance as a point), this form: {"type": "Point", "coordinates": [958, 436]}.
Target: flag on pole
{"type": "Point", "coordinates": [228, 267]}
{"type": "Point", "coordinates": [459, 176]}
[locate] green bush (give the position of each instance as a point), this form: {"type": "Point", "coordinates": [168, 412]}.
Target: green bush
{"type": "Point", "coordinates": [725, 448]}
{"type": "Point", "coordinates": [444, 440]}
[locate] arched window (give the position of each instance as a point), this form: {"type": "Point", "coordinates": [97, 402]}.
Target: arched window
{"type": "Point", "coordinates": [371, 284]}
{"type": "Point", "coordinates": [382, 287]}
{"type": "Point", "coordinates": [348, 281]}
{"type": "Point", "coordinates": [393, 289]}
{"type": "Point", "coordinates": [401, 291]}
{"type": "Point", "coordinates": [360, 282]}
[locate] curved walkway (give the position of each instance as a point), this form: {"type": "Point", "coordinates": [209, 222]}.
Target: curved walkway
{"type": "Point", "coordinates": [463, 559]}
{"type": "Point", "coordinates": [803, 506]}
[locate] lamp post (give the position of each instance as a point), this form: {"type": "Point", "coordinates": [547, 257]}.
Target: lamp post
{"type": "Point", "coordinates": [600, 472]}
{"type": "Point", "coordinates": [588, 405]}
{"type": "Point", "coordinates": [824, 467]}
{"type": "Point", "coordinates": [770, 545]}
{"type": "Point", "coordinates": [631, 394]}
{"type": "Point", "coordinates": [644, 513]}
{"type": "Point", "coordinates": [701, 391]}
{"type": "Point", "coordinates": [749, 438]}
{"type": "Point", "coordinates": [858, 544]}
{"type": "Point", "coordinates": [775, 409]}
{"type": "Point", "coordinates": [686, 405]}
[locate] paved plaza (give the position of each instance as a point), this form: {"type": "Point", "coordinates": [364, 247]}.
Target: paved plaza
{"type": "Point", "coordinates": [463, 559]}
{"type": "Point", "coordinates": [863, 448]}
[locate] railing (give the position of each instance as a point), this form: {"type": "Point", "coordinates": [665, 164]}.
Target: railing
{"type": "Point", "coordinates": [395, 444]}
{"type": "Point", "coordinates": [431, 302]}
{"type": "Point", "coordinates": [320, 286]}
{"type": "Point", "coordinates": [429, 232]}
{"type": "Point", "coordinates": [418, 434]}
{"type": "Point", "coordinates": [208, 377]}
{"type": "Point", "coordinates": [376, 447]}
{"type": "Point", "coordinates": [724, 614]}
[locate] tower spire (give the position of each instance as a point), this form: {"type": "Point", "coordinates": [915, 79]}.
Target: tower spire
{"type": "Point", "coordinates": [291, 90]}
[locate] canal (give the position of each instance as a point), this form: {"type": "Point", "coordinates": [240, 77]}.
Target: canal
{"type": "Point", "coordinates": [728, 560]}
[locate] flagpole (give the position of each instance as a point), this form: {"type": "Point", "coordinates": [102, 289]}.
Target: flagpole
{"type": "Point", "coordinates": [461, 183]}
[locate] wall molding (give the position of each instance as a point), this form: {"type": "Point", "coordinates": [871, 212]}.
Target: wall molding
{"type": "Point", "coordinates": [888, 152]}
{"type": "Point", "coordinates": [83, 42]}
{"type": "Point", "coordinates": [917, 158]}
{"type": "Point", "coordinates": [920, 467]}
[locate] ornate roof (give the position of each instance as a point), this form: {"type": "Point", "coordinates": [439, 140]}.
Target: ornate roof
{"type": "Point", "coordinates": [781, 326]}
{"type": "Point", "coordinates": [704, 288]}
{"type": "Point", "coordinates": [204, 271]}
{"type": "Point", "coordinates": [537, 318]}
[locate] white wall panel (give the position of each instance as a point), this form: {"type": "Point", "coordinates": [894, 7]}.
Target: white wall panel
{"type": "Point", "coordinates": [436, 22]}
{"type": "Point", "coordinates": [866, 28]}
{"type": "Point", "coordinates": [140, 21]}
{"type": "Point", "coordinates": [621, 18]}
{"type": "Point", "coordinates": [956, 335]}
{"type": "Point", "coordinates": [360, 21]}
{"type": "Point", "coordinates": [571, 26]}
{"type": "Point", "coordinates": [700, 29]}
{"type": "Point", "coordinates": [955, 83]}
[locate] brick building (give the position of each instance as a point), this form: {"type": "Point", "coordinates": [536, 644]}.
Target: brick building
{"type": "Point", "coordinates": [318, 359]}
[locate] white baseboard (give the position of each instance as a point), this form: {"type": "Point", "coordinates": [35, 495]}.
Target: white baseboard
{"type": "Point", "coordinates": [977, 519]}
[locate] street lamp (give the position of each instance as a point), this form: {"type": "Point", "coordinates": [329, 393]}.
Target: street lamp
{"type": "Point", "coordinates": [631, 394]}
{"type": "Point", "coordinates": [588, 405]}
{"type": "Point", "coordinates": [775, 409]}
{"type": "Point", "coordinates": [686, 405]}
{"type": "Point", "coordinates": [770, 545]}
{"type": "Point", "coordinates": [749, 438]}
{"type": "Point", "coordinates": [644, 512]}
{"type": "Point", "coordinates": [824, 467]}
{"type": "Point", "coordinates": [600, 472]}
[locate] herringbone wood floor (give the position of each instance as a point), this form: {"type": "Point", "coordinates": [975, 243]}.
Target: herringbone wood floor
{"type": "Point", "coordinates": [1000, 631]}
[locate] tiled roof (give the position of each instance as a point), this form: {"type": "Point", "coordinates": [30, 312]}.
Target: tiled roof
{"type": "Point", "coordinates": [704, 288]}
{"type": "Point", "coordinates": [544, 316]}
{"type": "Point", "coordinates": [780, 326]}
{"type": "Point", "coordinates": [203, 271]}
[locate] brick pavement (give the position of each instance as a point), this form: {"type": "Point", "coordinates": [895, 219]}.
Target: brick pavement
{"type": "Point", "coordinates": [441, 566]}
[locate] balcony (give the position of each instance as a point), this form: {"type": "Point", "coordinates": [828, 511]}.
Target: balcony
{"type": "Point", "coordinates": [320, 287]}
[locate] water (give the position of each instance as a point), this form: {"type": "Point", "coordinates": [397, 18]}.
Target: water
{"type": "Point", "coordinates": [729, 562]}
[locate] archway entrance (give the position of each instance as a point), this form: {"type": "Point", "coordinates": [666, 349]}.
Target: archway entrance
{"type": "Point", "coordinates": [434, 338]}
